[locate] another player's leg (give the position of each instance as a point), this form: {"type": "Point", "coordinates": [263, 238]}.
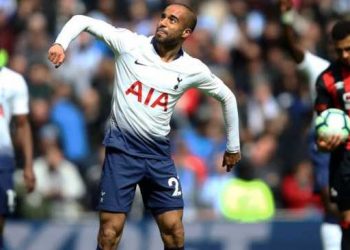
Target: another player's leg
{"type": "Point", "coordinates": [171, 229]}
{"type": "Point", "coordinates": [345, 226]}
{"type": "Point", "coordinates": [331, 236]}
{"type": "Point", "coordinates": [111, 229]}
{"type": "Point", "coordinates": [330, 231]}
{"type": "Point", "coordinates": [7, 201]}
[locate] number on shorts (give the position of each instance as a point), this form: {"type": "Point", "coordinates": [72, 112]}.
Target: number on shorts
{"type": "Point", "coordinates": [174, 182]}
{"type": "Point", "coordinates": [11, 200]}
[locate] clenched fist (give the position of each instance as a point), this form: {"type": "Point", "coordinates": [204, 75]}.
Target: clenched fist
{"type": "Point", "coordinates": [56, 54]}
{"type": "Point", "coordinates": [230, 160]}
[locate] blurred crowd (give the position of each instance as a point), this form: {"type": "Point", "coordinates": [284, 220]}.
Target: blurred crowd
{"type": "Point", "coordinates": [240, 40]}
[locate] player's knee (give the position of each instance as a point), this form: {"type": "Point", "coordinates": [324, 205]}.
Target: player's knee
{"type": "Point", "coordinates": [175, 229]}
{"type": "Point", "coordinates": [110, 232]}
{"type": "Point", "coordinates": [178, 231]}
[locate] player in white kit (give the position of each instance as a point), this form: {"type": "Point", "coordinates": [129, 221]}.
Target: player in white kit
{"type": "Point", "coordinates": [313, 66]}
{"type": "Point", "coordinates": [13, 104]}
{"type": "Point", "coordinates": [152, 73]}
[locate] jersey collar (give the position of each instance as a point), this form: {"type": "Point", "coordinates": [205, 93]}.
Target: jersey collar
{"type": "Point", "coordinates": [179, 54]}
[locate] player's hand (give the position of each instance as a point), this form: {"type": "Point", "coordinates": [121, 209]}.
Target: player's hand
{"type": "Point", "coordinates": [330, 143]}
{"type": "Point", "coordinates": [56, 54]}
{"type": "Point", "coordinates": [230, 159]}
{"type": "Point", "coordinates": [29, 179]}
{"type": "Point", "coordinates": [285, 5]}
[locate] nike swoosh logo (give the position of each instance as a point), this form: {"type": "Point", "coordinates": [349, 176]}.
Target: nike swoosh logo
{"type": "Point", "coordinates": [138, 63]}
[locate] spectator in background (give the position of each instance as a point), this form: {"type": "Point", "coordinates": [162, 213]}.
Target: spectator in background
{"type": "Point", "coordinates": [80, 66]}
{"type": "Point", "coordinates": [40, 81]}
{"type": "Point", "coordinates": [19, 63]}
{"type": "Point", "coordinates": [65, 10]}
{"type": "Point", "coordinates": [40, 116]}
{"type": "Point", "coordinates": [298, 190]}
{"type": "Point", "coordinates": [7, 30]}
{"type": "Point", "coordinates": [59, 184]}
{"type": "Point", "coordinates": [263, 111]}
{"type": "Point", "coordinates": [211, 188]}
{"type": "Point", "coordinates": [95, 119]}
{"type": "Point", "coordinates": [192, 172]}
{"type": "Point", "coordinates": [71, 125]}
{"type": "Point", "coordinates": [33, 42]}
{"type": "Point", "coordinates": [207, 138]}
{"type": "Point", "coordinates": [246, 198]}
{"type": "Point", "coordinates": [92, 178]}
{"type": "Point", "coordinates": [262, 159]}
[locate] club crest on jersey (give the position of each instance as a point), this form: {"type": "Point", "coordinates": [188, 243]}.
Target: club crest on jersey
{"type": "Point", "coordinates": [178, 83]}
{"type": "Point", "coordinates": [150, 98]}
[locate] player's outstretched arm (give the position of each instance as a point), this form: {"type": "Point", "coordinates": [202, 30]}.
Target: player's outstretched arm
{"type": "Point", "coordinates": [115, 38]}
{"type": "Point", "coordinates": [287, 19]}
{"type": "Point", "coordinates": [56, 54]}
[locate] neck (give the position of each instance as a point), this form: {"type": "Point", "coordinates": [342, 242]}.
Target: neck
{"type": "Point", "coordinates": [167, 52]}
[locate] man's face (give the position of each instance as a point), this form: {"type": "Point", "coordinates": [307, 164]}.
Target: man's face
{"type": "Point", "coordinates": [172, 26]}
{"type": "Point", "coordinates": [342, 48]}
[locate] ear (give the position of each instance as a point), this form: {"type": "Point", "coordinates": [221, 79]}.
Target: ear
{"type": "Point", "coordinates": [186, 33]}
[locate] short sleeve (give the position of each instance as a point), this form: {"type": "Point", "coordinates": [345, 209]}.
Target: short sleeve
{"type": "Point", "coordinates": [20, 98]}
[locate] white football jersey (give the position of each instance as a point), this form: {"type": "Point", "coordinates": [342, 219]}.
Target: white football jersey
{"type": "Point", "coordinates": [13, 101]}
{"type": "Point", "coordinates": [147, 89]}
{"type": "Point", "coordinates": [313, 66]}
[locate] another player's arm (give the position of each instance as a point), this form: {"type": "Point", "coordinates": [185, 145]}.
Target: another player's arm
{"type": "Point", "coordinates": [324, 101]}
{"type": "Point", "coordinates": [287, 16]}
{"type": "Point", "coordinates": [78, 24]}
{"type": "Point", "coordinates": [24, 135]}
{"type": "Point", "coordinates": [214, 87]}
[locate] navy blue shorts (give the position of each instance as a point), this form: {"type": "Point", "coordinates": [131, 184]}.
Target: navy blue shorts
{"type": "Point", "coordinates": [7, 194]}
{"type": "Point", "coordinates": [157, 179]}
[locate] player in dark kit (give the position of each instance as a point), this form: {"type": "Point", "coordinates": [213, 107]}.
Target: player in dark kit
{"type": "Point", "coordinates": [333, 91]}
{"type": "Point", "coordinates": [312, 66]}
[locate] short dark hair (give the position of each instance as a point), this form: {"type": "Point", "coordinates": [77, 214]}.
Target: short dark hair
{"type": "Point", "coordinates": [192, 18]}
{"type": "Point", "coordinates": [340, 30]}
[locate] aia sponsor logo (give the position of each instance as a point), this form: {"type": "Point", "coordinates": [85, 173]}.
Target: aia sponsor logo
{"type": "Point", "coordinates": [149, 97]}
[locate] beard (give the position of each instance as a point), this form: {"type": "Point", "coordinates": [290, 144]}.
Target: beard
{"type": "Point", "coordinates": [163, 38]}
{"type": "Point", "coordinates": [166, 41]}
